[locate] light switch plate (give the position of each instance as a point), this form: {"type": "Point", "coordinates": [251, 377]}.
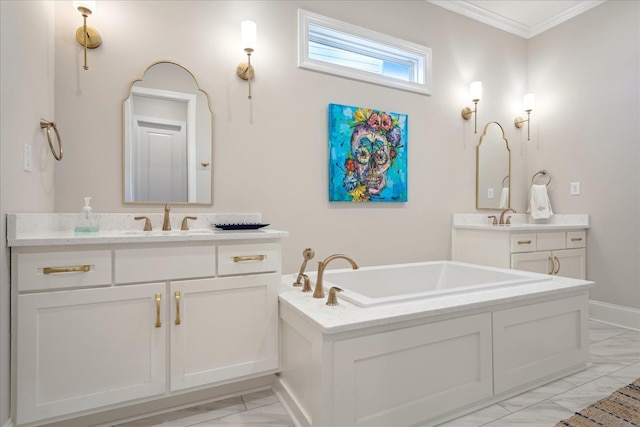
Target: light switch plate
{"type": "Point", "coordinates": [27, 158]}
{"type": "Point", "coordinates": [575, 188]}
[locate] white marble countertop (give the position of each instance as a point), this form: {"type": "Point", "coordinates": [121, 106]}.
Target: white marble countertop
{"type": "Point", "coordinates": [346, 316]}
{"type": "Point", "coordinates": [521, 222]}
{"type": "Point", "coordinates": [45, 229]}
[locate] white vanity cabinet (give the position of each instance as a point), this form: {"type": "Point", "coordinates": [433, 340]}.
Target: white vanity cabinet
{"type": "Point", "coordinates": [107, 325]}
{"type": "Point", "coordinates": [558, 252]}
{"type": "Point", "coordinates": [222, 328]}
{"type": "Point", "coordinates": [87, 348]}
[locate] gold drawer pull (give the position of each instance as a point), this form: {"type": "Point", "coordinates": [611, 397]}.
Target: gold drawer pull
{"type": "Point", "coordinates": [158, 299]}
{"type": "Point", "coordinates": [557, 269]}
{"type": "Point", "coordinates": [177, 295]}
{"type": "Point", "coordinates": [524, 242]}
{"type": "Point", "coordinates": [576, 239]}
{"type": "Point", "coordinates": [553, 266]}
{"type": "Point", "coordinates": [53, 270]}
{"type": "Point", "coordinates": [249, 258]}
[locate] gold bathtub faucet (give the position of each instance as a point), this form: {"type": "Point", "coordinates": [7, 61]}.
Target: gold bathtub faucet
{"type": "Point", "coordinates": [166, 223]}
{"type": "Point", "coordinates": [319, 291]}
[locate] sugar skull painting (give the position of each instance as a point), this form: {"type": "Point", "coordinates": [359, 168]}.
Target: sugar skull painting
{"type": "Point", "coordinates": [367, 155]}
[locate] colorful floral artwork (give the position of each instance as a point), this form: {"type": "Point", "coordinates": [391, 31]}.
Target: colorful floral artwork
{"type": "Point", "coordinates": [367, 155]}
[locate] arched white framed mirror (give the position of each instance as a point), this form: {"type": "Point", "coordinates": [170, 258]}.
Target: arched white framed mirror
{"type": "Point", "coordinates": [167, 146]}
{"type": "Point", "coordinates": [493, 169]}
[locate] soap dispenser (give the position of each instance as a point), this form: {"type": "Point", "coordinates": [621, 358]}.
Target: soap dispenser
{"type": "Point", "coordinates": [86, 219]}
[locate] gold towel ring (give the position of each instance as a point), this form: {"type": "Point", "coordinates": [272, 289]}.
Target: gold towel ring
{"type": "Point", "coordinates": [45, 124]}
{"type": "Point", "coordinates": [503, 180]}
{"type": "Point", "coordinates": [541, 172]}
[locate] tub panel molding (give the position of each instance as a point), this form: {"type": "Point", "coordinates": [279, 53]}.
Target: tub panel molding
{"type": "Point", "coordinates": [538, 340]}
{"type": "Point", "coordinates": [398, 376]}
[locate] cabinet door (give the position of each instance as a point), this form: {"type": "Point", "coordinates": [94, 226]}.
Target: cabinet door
{"type": "Point", "coordinates": [223, 328]}
{"type": "Point", "coordinates": [537, 262]}
{"type": "Point", "coordinates": [570, 263]}
{"type": "Point", "coordinates": [83, 349]}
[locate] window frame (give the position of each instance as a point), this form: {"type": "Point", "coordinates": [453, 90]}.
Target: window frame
{"type": "Point", "coordinates": [399, 46]}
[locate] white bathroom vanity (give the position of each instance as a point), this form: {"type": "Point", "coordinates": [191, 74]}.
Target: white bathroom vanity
{"type": "Point", "coordinates": [119, 317]}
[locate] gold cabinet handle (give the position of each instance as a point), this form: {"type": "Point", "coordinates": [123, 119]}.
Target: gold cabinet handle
{"type": "Point", "coordinates": [576, 239]}
{"type": "Point", "coordinates": [53, 270]}
{"type": "Point", "coordinates": [204, 164]}
{"type": "Point", "coordinates": [158, 300]}
{"type": "Point", "coordinates": [558, 261]}
{"type": "Point", "coordinates": [177, 295]}
{"type": "Point", "coordinates": [552, 265]}
{"type": "Point", "coordinates": [249, 258]}
{"type": "Point", "coordinates": [524, 242]}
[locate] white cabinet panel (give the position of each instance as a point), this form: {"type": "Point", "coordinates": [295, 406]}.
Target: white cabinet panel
{"type": "Point", "coordinates": [228, 328]}
{"type": "Point", "coordinates": [84, 349]}
{"type": "Point", "coordinates": [164, 263]}
{"type": "Point", "coordinates": [427, 369]}
{"type": "Point", "coordinates": [59, 270]}
{"type": "Point", "coordinates": [538, 340]}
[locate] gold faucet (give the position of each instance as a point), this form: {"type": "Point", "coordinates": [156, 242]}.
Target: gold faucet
{"type": "Point", "coordinates": [307, 254]}
{"type": "Point", "coordinates": [333, 299]}
{"type": "Point", "coordinates": [166, 223]}
{"type": "Point", "coordinates": [319, 291]}
{"type": "Point", "coordinates": [185, 223]}
{"type": "Point", "coordinates": [508, 220]}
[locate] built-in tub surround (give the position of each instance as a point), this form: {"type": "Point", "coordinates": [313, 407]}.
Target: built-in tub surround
{"type": "Point", "coordinates": [428, 359]}
{"type": "Point", "coordinates": [370, 286]}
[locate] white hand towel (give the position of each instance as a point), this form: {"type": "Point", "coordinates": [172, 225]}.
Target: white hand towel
{"type": "Point", "coordinates": [539, 204]}
{"type": "Point", "coordinates": [504, 198]}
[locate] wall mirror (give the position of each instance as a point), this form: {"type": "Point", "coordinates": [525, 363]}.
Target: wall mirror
{"type": "Point", "coordinates": [167, 138]}
{"type": "Point", "coordinates": [493, 169]}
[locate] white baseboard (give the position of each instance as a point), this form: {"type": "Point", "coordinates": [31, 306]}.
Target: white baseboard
{"type": "Point", "coordinates": [9, 423]}
{"type": "Point", "coordinates": [618, 315]}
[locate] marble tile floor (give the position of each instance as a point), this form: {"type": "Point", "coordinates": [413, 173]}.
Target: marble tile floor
{"type": "Point", "coordinates": [615, 362]}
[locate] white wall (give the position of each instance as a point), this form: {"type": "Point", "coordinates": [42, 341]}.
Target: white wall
{"type": "Point", "coordinates": [26, 78]}
{"type": "Point", "coordinates": [586, 77]}
{"type": "Point", "coordinates": [270, 155]}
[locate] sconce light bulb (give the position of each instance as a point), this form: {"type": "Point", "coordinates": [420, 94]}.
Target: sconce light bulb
{"type": "Point", "coordinates": [475, 90]}
{"type": "Point", "coordinates": [248, 35]}
{"type": "Point", "coordinates": [529, 102]}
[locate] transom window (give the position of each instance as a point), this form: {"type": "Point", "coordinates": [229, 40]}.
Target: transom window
{"type": "Point", "coordinates": [346, 50]}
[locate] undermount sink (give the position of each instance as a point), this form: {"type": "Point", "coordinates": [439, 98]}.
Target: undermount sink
{"type": "Point", "coordinates": [194, 232]}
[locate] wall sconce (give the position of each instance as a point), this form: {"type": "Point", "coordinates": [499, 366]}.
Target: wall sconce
{"type": "Point", "coordinates": [248, 36]}
{"type": "Point", "coordinates": [87, 36]}
{"type": "Point", "coordinates": [529, 104]}
{"type": "Point", "coordinates": [475, 90]}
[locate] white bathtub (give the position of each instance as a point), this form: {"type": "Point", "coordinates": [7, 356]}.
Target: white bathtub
{"type": "Point", "coordinates": [387, 284]}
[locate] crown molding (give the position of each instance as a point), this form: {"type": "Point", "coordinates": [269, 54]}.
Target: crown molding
{"type": "Point", "coordinates": [487, 17]}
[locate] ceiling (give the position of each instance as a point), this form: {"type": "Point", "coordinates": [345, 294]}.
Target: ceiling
{"type": "Point", "coordinates": [524, 18]}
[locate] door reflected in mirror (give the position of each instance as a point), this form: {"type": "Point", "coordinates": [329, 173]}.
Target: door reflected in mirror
{"type": "Point", "coordinates": [167, 138]}
{"type": "Point", "coordinates": [493, 169]}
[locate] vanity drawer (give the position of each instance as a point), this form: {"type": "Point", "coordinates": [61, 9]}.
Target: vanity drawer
{"type": "Point", "coordinates": [551, 241]}
{"type": "Point", "coordinates": [576, 239]}
{"type": "Point", "coordinates": [168, 263]}
{"type": "Point", "coordinates": [41, 271]}
{"type": "Point", "coordinates": [247, 259]}
{"type": "Point", "coordinates": [525, 242]}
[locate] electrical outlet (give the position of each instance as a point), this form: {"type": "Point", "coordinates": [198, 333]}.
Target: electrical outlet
{"type": "Point", "coordinates": [27, 158]}
{"type": "Point", "coordinates": [575, 188]}
{"type": "Point", "coordinates": [490, 193]}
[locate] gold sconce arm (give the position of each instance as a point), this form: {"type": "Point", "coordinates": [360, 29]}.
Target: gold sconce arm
{"type": "Point", "coordinates": [519, 122]}
{"type": "Point", "coordinates": [468, 112]}
{"type": "Point", "coordinates": [88, 37]}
